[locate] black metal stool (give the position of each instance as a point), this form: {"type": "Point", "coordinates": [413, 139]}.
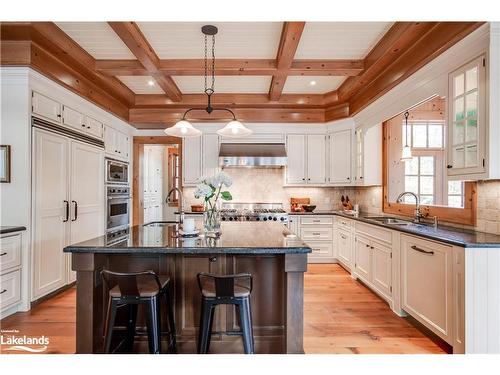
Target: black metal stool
{"type": "Point", "coordinates": [225, 290]}
{"type": "Point", "coordinates": [134, 289]}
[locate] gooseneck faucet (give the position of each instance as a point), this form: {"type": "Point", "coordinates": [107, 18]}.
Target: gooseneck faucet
{"type": "Point", "coordinates": [180, 203]}
{"type": "Point", "coordinates": [418, 214]}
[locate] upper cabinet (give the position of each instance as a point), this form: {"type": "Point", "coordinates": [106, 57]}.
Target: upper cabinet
{"type": "Point", "coordinates": [116, 143]}
{"type": "Point", "coordinates": [467, 119]}
{"type": "Point", "coordinates": [368, 156]}
{"type": "Point", "coordinates": [45, 107]}
{"type": "Point", "coordinates": [340, 164]}
{"type": "Point", "coordinates": [200, 157]}
{"type": "Point", "coordinates": [306, 159]}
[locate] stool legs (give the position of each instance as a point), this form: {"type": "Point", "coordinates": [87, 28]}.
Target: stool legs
{"type": "Point", "coordinates": [109, 324]}
{"type": "Point", "coordinates": [171, 321]}
{"type": "Point", "coordinates": [131, 323]}
{"type": "Point", "coordinates": [153, 324]}
{"type": "Point", "coordinates": [204, 334]}
{"type": "Point", "coordinates": [246, 325]}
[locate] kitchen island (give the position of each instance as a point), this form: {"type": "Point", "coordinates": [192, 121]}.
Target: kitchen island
{"type": "Point", "coordinates": [275, 257]}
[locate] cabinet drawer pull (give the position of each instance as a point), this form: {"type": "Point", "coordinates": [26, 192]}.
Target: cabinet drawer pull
{"type": "Point", "coordinates": [422, 250]}
{"type": "Point", "coordinates": [1, 255]}
{"type": "Point", "coordinates": [367, 245]}
{"type": "Point", "coordinates": [316, 221]}
{"type": "Point", "coordinates": [3, 291]}
{"type": "Point", "coordinates": [343, 237]}
{"type": "Point", "coordinates": [316, 234]}
{"type": "Point", "coordinates": [316, 250]}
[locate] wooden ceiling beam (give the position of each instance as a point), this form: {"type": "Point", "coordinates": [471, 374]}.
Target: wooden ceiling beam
{"type": "Point", "coordinates": [290, 38]}
{"type": "Point", "coordinates": [326, 67]}
{"type": "Point", "coordinates": [133, 38]}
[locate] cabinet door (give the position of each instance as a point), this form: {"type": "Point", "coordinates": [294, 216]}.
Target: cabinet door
{"type": "Point", "coordinates": [358, 156]}
{"type": "Point", "coordinates": [122, 141]}
{"type": "Point", "coordinates": [50, 191]}
{"type": "Point", "coordinates": [467, 119]}
{"type": "Point", "coordinates": [316, 159]}
{"type": "Point", "coordinates": [191, 160]}
{"type": "Point", "coordinates": [296, 154]}
{"type": "Point", "coordinates": [382, 268]}
{"type": "Point", "coordinates": [344, 246]}
{"type": "Point", "coordinates": [45, 107]}
{"type": "Point", "coordinates": [87, 193]}
{"type": "Point", "coordinates": [94, 127]}
{"type": "Point", "coordinates": [427, 284]}
{"type": "Point", "coordinates": [293, 224]}
{"type": "Point", "coordinates": [362, 258]}
{"type": "Point", "coordinates": [73, 118]}
{"type": "Point", "coordinates": [110, 141]}
{"type": "Point", "coordinates": [210, 158]}
{"type": "Point", "coordinates": [340, 157]}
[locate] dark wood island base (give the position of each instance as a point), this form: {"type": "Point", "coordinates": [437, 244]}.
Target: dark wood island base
{"type": "Point", "coordinates": [277, 297]}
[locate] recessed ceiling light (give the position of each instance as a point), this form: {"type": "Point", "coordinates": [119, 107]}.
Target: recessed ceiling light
{"type": "Point", "coordinates": [312, 83]}
{"type": "Point", "coordinates": [151, 82]}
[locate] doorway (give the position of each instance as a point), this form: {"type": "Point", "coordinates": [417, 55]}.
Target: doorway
{"type": "Point", "coordinates": [157, 168]}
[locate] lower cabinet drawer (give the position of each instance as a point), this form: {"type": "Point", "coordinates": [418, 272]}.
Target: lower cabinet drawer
{"type": "Point", "coordinates": [10, 289]}
{"type": "Point", "coordinates": [316, 233]}
{"type": "Point", "coordinates": [10, 251]}
{"type": "Point", "coordinates": [316, 220]}
{"type": "Point", "coordinates": [344, 223]}
{"type": "Point", "coordinates": [320, 249]}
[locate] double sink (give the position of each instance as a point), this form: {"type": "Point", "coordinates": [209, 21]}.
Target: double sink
{"type": "Point", "coordinates": [387, 220]}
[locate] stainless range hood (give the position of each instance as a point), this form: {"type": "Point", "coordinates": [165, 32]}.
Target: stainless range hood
{"type": "Point", "coordinates": [270, 155]}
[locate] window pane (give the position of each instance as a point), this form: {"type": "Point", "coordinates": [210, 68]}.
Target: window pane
{"type": "Point", "coordinates": [409, 199]}
{"type": "Point", "coordinates": [411, 166]}
{"type": "Point", "coordinates": [455, 187]}
{"type": "Point", "coordinates": [455, 201]}
{"type": "Point", "coordinates": [471, 156]}
{"type": "Point", "coordinates": [419, 135]}
{"type": "Point", "coordinates": [471, 133]}
{"type": "Point", "coordinates": [471, 104]}
{"type": "Point", "coordinates": [459, 85]}
{"type": "Point", "coordinates": [471, 79]}
{"type": "Point", "coordinates": [435, 136]}
{"type": "Point", "coordinates": [411, 184]}
{"type": "Point", "coordinates": [426, 185]}
{"type": "Point", "coordinates": [458, 134]}
{"type": "Point", "coordinates": [427, 165]}
{"type": "Point", "coordinates": [426, 199]}
{"type": "Point", "coordinates": [459, 109]}
{"type": "Point", "coordinates": [458, 157]}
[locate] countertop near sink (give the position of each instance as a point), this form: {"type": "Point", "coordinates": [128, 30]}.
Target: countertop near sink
{"type": "Point", "coordinates": [453, 236]}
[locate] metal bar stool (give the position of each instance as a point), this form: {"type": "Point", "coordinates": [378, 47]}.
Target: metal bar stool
{"type": "Point", "coordinates": [225, 290]}
{"type": "Point", "coordinates": [134, 289]}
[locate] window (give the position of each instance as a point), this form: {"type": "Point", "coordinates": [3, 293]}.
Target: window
{"type": "Point", "coordinates": [420, 178]}
{"type": "Point", "coordinates": [423, 134]}
{"type": "Point", "coordinates": [456, 193]}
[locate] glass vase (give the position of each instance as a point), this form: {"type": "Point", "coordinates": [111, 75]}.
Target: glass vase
{"type": "Point", "coordinates": [212, 220]}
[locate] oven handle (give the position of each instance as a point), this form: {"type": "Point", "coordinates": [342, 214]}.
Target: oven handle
{"type": "Point", "coordinates": [119, 197]}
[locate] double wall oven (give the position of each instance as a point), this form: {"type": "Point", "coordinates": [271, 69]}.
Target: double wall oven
{"type": "Point", "coordinates": [118, 205]}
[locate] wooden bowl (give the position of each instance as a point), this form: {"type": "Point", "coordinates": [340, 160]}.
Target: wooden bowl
{"type": "Point", "coordinates": [308, 207]}
{"type": "Point", "coordinates": [197, 208]}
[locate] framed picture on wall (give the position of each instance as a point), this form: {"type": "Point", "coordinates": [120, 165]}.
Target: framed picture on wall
{"type": "Point", "coordinates": [4, 163]}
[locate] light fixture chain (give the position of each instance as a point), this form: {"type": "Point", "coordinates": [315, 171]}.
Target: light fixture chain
{"type": "Point", "coordinates": [213, 62]}
{"type": "Point", "coordinates": [206, 65]}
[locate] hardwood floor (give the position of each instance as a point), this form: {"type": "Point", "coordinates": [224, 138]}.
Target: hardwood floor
{"type": "Point", "coordinates": [340, 316]}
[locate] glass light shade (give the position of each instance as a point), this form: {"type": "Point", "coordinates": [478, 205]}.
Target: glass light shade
{"type": "Point", "coordinates": [183, 129]}
{"type": "Point", "coordinates": [234, 129]}
{"type": "Point", "coordinates": [406, 153]}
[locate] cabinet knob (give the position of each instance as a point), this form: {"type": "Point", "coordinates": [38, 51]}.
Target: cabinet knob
{"type": "Point", "coordinates": [449, 166]}
{"type": "Point", "coordinates": [83, 125]}
{"type": "Point", "coordinates": [213, 259]}
{"type": "Point", "coordinates": [348, 178]}
{"type": "Point", "coordinates": [59, 115]}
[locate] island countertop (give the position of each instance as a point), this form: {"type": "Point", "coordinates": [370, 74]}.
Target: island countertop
{"type": "Point", "coordinates": [237, 238]}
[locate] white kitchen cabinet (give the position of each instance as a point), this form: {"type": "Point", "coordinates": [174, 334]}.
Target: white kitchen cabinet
{"type": "Point", "coordinates": [426, 284]}
{"type": "Point", "coordinates": [467, 120]}
{"type": "Point", "coordinates": [381, 268]}
{"type": "Point", "coordinates": [116, 143]}
{"type": "Point", "coordinates": [73, 118]}
{"type": "Point", "coordinates": [317, 232]}
{"type": "Point", "coordinates": [68, 205]}
{"type": "Point", "coordinates": [306, 159]}
{"type": "Point", "coordinates": [296, 159]}
{"type": "Point", "coordinates": [340, 155]}
{"type": "Point", "coordinates": [344, 248]}
{"type": "Point", "coordinates": [368, 156]}
{"type": "Point", "coordinates": [46, 107]}
{"type": "Point", "coordinates": [191, 160]}
{"type": "Point", "coordinates": [210, 152]}
{"type": "Point", "coordinates": [362, 258]}
{"type": "Point", "coordinates": [10, 271]}
{"type": "Point", "coordinates": [94, 127]}
{"type": "Point", "coordinates": [10, 251]}
{"type": "Point", "coordinates": [11, 289]}
{"type": "Point", "coordinates": [293, 223]}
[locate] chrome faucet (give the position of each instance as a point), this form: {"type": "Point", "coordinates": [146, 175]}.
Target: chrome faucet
{"type": "Point", "coordinates": [418, 213]}
{"type": "Point", "coordinates": [180, 203]}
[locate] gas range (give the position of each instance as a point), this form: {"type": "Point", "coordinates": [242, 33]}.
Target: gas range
{"type": "Point", "coordinates": [254, 212]}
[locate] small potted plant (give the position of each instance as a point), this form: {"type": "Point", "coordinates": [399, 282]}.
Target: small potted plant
{"type": "Point", "coordinates": [210, 189]}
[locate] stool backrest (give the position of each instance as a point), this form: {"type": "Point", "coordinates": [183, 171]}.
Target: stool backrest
{"type": "Point", "coordinates": [128, 281]}
{"type": "Point", "coordinates": [224, 284]}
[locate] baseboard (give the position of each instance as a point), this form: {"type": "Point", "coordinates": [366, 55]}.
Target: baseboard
{"type": "Point", "coordinates": [9, 311]}
{"type": "Point", "coordinates": [322, 260]}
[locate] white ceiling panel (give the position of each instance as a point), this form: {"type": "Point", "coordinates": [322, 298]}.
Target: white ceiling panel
{"type": "Point", "coordinates": [97, 38]}
{"type": "Point", "coordinates": [303, 84]}
{"type": "Point", "coordinates": [140, 84]}
{"type": "Point", "coordinates": [224, 84]}
{"type": "Point", "coordinates": [236, 40]}
{"type": "Point", "coordinates": [339, 40]}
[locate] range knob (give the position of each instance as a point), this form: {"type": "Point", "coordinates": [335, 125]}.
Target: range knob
{"type": "Point", "coordinates": [265, 219]}
{"type": "Point", "coordinates": [275, 218]}
{"type": "Point", "coordinates": [270, 218]}
{"type": "Point", "coordinates": [223, 219]}
{"type": "Point", "coordinates": [231, 219]}
{"type": "Point", "coordinates": [248, 218]}
{"type": "Point", "coordinates": [257, 219]}
{"type": "Point", "coordinates": [282, 218]}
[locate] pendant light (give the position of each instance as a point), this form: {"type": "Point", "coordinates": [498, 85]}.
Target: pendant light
{"type": "Point", "coordinates": [183, 128]}
{"type": "Point", "coordinates": [406, 153]}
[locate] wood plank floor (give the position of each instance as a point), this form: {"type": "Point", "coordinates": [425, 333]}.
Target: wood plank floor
{"type": "Point", "coordinates": [340, 316]}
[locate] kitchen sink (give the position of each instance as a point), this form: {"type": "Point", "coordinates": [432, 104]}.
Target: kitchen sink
{"type": "Point", "coordinates": [389, 220]}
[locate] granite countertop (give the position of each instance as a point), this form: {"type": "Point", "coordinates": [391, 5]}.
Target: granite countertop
{"type": "Point", "coordinates": [450, 235]}
{"type": "Point", "coordinates": [255, 238]}
{"type": "Point", "coordinates": [11, 229]}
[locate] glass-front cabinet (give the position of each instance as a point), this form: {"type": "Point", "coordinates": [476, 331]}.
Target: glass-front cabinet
{"type": "Point", "coordinates": [467, 119]}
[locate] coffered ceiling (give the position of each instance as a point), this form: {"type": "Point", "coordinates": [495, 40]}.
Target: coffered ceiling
{"type": "Point", "coordinates": [149, 72]}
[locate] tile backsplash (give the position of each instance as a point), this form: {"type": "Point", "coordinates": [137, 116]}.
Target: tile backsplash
{"type": "Point", "coordinates": [266, 185]}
